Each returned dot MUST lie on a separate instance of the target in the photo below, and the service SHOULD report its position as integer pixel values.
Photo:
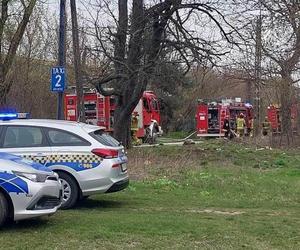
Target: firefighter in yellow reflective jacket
(135, 128)
(240, 125)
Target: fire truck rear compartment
(213, 121)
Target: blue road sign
(58, 79)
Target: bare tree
(8, 47)
(281, 46)
(29, 74)
(149, 32)
(273, 28)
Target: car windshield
(104, 138)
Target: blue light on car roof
(8, 116)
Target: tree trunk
(122, 126)
(121, 36)
(139, 64)
(122, 122)
(132, 88)
(3, 94)
(258, 58)
(77, 63)
(285, 98)
(4, 89)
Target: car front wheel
(70, 190)
(3, 209)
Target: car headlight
(31, 176)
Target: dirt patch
(210, 211)
(196, 211)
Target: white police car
(27, 189)
(87, 160)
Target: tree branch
(16, 39)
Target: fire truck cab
(100, 110)
(210, 116)
(148, 111)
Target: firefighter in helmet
(240, 125)
(226, 126)
(135, 128)
(266, 126)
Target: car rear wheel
(83, 198)
(3, 209)
(70, 190)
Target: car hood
(9, 162)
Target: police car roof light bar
(8, 116)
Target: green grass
(207, 196)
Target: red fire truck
(210, 116)
(148, 111)
(99, 110)
(274, 117)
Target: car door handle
(39, 156)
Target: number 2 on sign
(58, 78)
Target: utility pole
(77, 62)
(249, 89)
(257, 98)
(61, 52)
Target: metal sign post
(61, 53)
